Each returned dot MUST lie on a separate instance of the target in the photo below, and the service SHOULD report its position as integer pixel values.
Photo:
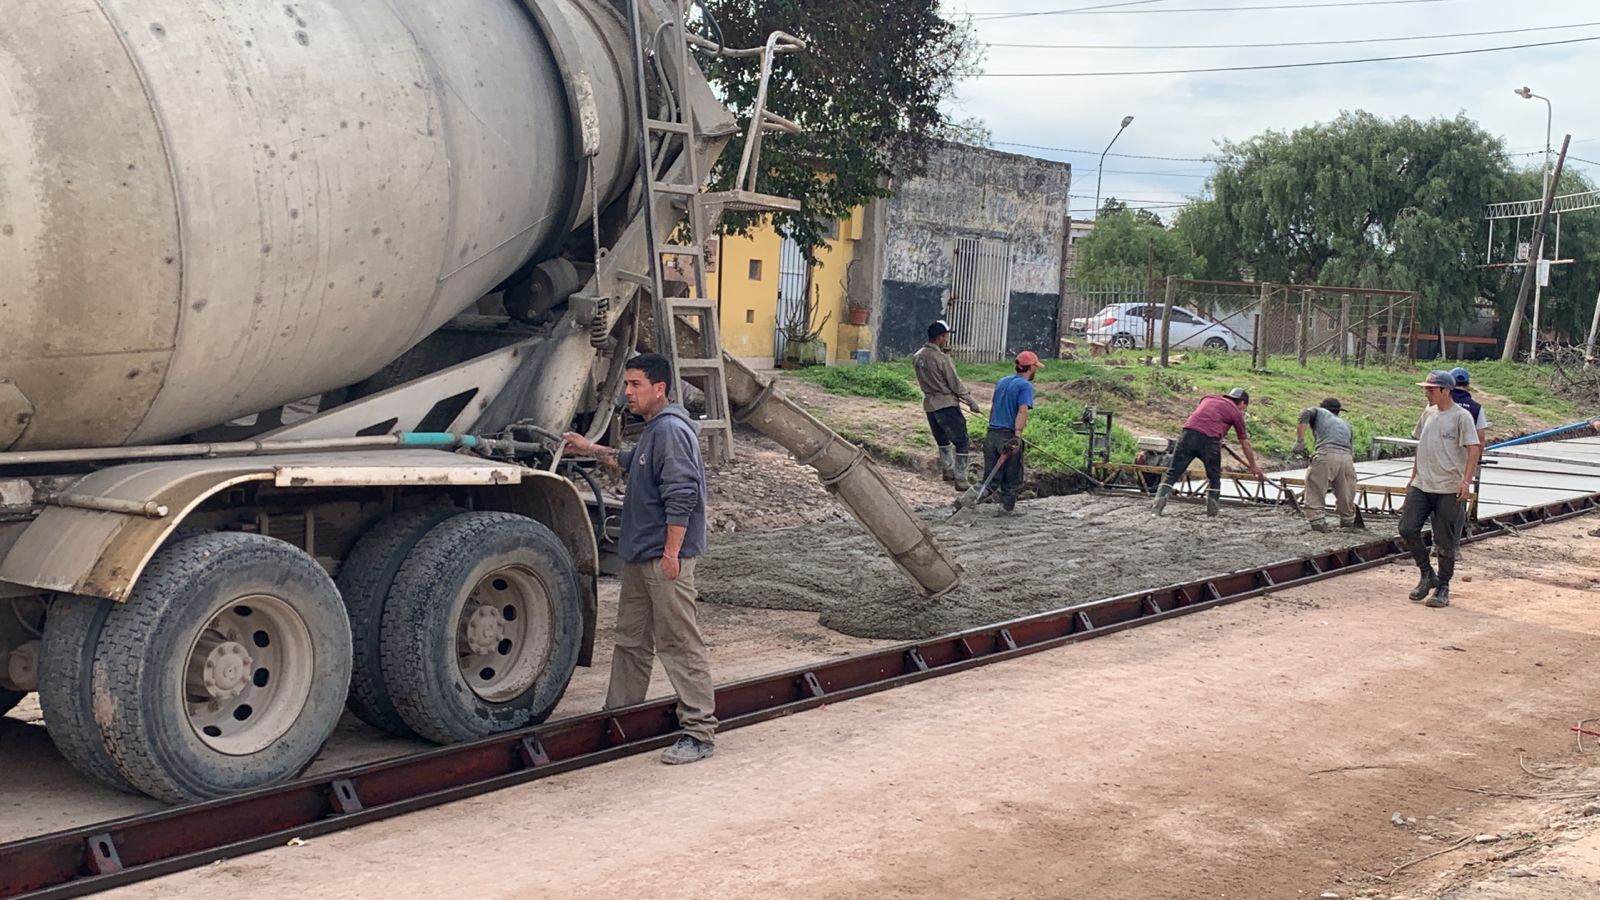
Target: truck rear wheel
(71, 633)
(226, 669)
(364, 582)
(482, 627)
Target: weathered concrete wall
(972, 192)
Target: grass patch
(1054, 445)
(880, 381)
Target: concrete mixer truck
(293, 299)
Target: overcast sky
(1185, 115)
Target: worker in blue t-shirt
(1008, 415)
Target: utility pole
(1535, 251)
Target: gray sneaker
(1427, 583)
(687, 750)
(1440, 598)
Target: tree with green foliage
(868, 92)
(1113, 206)
(1118, 250)
(1359, 201)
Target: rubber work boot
(1162, 494)
(1213, 504)
(1428, 582)
(1351, 525)
(1320, 526)
(947, 462)
(963, 471)
(1440, 598)
(687, 750)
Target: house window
(749, 317)
(829, 228)
(755, 270)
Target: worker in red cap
(1008, 415)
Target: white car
(1126, 326)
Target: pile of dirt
(765, 488)
(1066, 550)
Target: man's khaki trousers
(656, 615)
(1335, 470)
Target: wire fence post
(1303, 333)
(1166, 319)
(1344, 329)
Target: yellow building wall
(749, 304)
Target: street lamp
(1100, 172)
(1549, 113)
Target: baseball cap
(1238, 395)
(938, 327)
(1438, 378)
(1029, 358)
(1460, 375)
(1332, 404)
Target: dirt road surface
(1255, 751)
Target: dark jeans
(1442, 509)
(949, 426)
(1010, 477)
(1191, 446)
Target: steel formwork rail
(124, 851)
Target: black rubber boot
(1441, 596)
(1213, 503)
(1428, 582)
(1162, 494)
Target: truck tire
(226, 669)
(364, 581)
(482, 627)
(71, 633)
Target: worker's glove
(1011, 446)
(1299, 448)
(974, 407)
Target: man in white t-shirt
(1441, 480)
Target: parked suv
(1124, 326)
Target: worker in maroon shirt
(1202, 438)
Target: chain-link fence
(1357, 326)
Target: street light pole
(1100, 172)
(1538, 287)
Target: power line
(1299, 65)
(1385, 40)
(1107, 10)
(1137, 172)
(1097, 152)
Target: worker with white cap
(1202, 439)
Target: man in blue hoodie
(663, 534)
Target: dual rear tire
(230, 664)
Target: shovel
(967, 503)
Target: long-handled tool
(967, 503)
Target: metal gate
(980, 299)
(792, 271)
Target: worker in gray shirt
(663, 535)
(1333, 466)
(1441, 480)
(942, 394)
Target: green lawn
(1378, 400)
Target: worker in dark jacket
(663, 533)
(1202, 439)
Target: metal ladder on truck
(677, 132)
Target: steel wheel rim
(504, 630)
(248, 674)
